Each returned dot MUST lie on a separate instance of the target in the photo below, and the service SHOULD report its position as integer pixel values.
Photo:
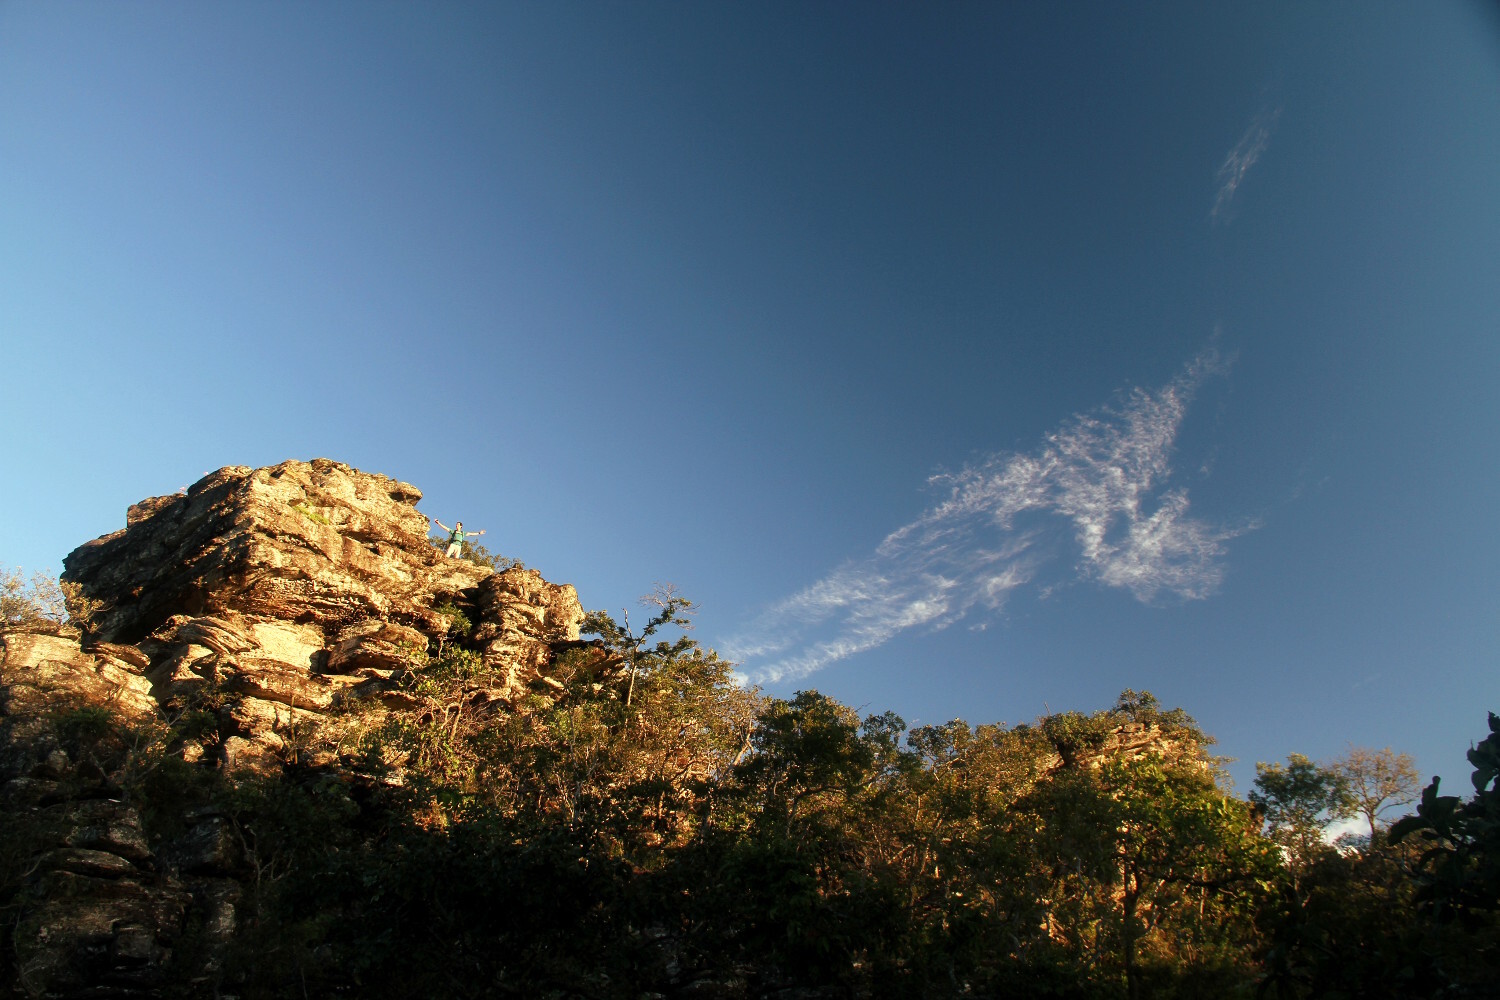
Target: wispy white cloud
(1101, 477)
(1240, 159)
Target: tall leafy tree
(1154, 865)
(1298, 800)
(618, 636)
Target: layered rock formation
(293, 586)
(311, 543)
(266, 600)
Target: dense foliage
(647, 826)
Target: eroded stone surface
(375, 646)
(259, 604)
(101, 826)
(301, 542)
(49, 670)
(103, 935)
(522, 619)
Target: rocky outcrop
(292, 587)
(103, 910)
(260, 603)
(522, 619)
(44, 672)
(306, 542)
(1124, 743)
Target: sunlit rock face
(308, 542)
(521, 620)
(287, 590)
(275, 603)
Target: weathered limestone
(1131, 741)
(102, 928)
(289, 588)
(104, 910)
(101, 826)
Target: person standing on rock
(456, 536)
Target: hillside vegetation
(522, 809)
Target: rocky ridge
(269, 601)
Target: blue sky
(963, 360)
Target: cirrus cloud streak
(1239, 161)
(1096, 488)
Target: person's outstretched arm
(440, 524)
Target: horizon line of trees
(646, 826)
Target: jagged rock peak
(316, 543)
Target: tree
(42, 603)
(808, 756)
(672, 609)
(27, 604)
(1154, 866)
(1378, 780)
(1298, 800)
(811, 833)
